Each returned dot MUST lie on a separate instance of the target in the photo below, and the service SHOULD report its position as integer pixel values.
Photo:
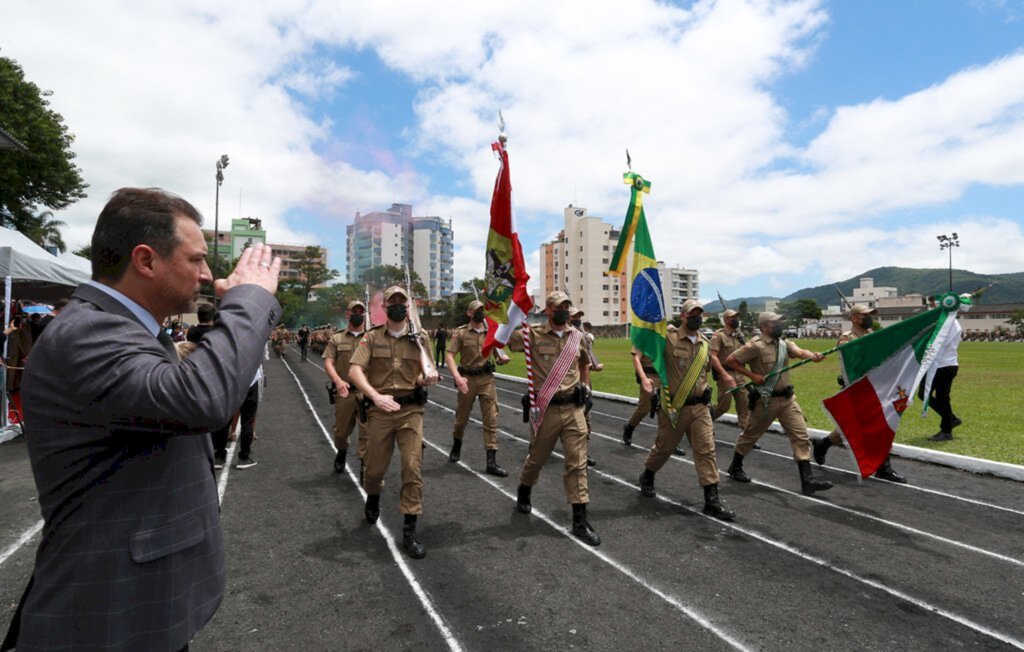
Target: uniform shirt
(760, 353)
(546, 347)
(392, 364)
(647, 363)
(468, 344)
(722, 343)
(679, 353)
(340, 348)
(851, 335)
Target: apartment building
(679, 285)
(247, 231)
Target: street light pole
(222, 163)
(948, 242)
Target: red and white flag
(507, 302)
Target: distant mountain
(1008, 288)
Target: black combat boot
(679, 451)
(339, 461)
(456, 450)
(627, 434)
(581, 528)
(808, 485)
(523, 499)
(886, 472)
(372, 510)
(492, 465)
(415, 549)
(713, 504)
(735, 469)
(821, 447)
(591, 461)
(647, 483)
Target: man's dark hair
(135, 216)
(207, 313)
(60, 303)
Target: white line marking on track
(961, 620)
(912, 487)
(399, 558)
(222, 484)
(25, 537)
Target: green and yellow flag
(646, 300)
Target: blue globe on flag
(645, 297)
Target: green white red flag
(507, 303)
(882, 370)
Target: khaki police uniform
(722, 345)
(466, 344)
(694, 420)
(564, 422)
(340, 348)
(643, 407)
(392, 366)
(760, 354)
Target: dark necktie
(168, 343)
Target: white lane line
(399, 558)
(622, 568)
(28, 534)
(222, 485)
(849, 510)
(962, 620)
(25, 537)
(908, 486)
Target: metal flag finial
(501, 127)
(629, 161)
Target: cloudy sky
(789, 143)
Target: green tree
(41, 229)
(797, 311)
(312, 270)
(45, 175)
(748, 320)
(1017, 321)
(714, 322)
(84, 252)
(384, 276)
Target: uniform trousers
(480, 387)
(346, 418)
(563, 423)
(383, 431)
(643, 407)
(725, 399)
(695, 422)
(790, 417)
(248, 419)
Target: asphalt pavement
(935, 564)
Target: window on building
(604, 300)
(604, 248)
(604, 314)
(604, 287)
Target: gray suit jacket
(132, 554)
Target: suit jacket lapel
(107, 303)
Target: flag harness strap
(689, 380)
(554, 379)
(765, 390)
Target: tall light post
(222, 163)
(948, 242)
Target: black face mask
(577, 323)
(865, 323)
(478, 317)
(560, 317)
(397, 312)
(694, 323)
(356, 320)
(776, 331)
(733, 323)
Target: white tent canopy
(34, 273)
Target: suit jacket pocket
(166, 540)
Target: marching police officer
(474, 378)
(861, 320)
(772, 397)
(561, 371)
(688, 360)
(388, 368)
(336, 356)
(727, 339)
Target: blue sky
(789, 143)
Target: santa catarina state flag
(882, 370)
(507, 302)
(646, 300)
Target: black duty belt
(703, 399)
(785, 392)
(575, 396)
(488, 368)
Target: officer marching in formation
(772, 397)
(576, 319)
(561, 372)
(688, 361)
(336, 356)
(724, 342)
(474, 378)
(861, 318)
(388, 368)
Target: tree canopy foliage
(45, 175)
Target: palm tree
(41, 229)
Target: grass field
(986, 395)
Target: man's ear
(143, 258)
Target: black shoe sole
(589, 537)
(714, 512)
(524, 509)
(497, 472)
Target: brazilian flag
(646, 299)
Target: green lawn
(985, 395)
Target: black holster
(332, 391)
(526, 407)
(839, 379)
(655, 402)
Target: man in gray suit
(132, 554)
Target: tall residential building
(868, 294)
(246, 232)
(394, 237)
(576, 261)
(679, 285)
